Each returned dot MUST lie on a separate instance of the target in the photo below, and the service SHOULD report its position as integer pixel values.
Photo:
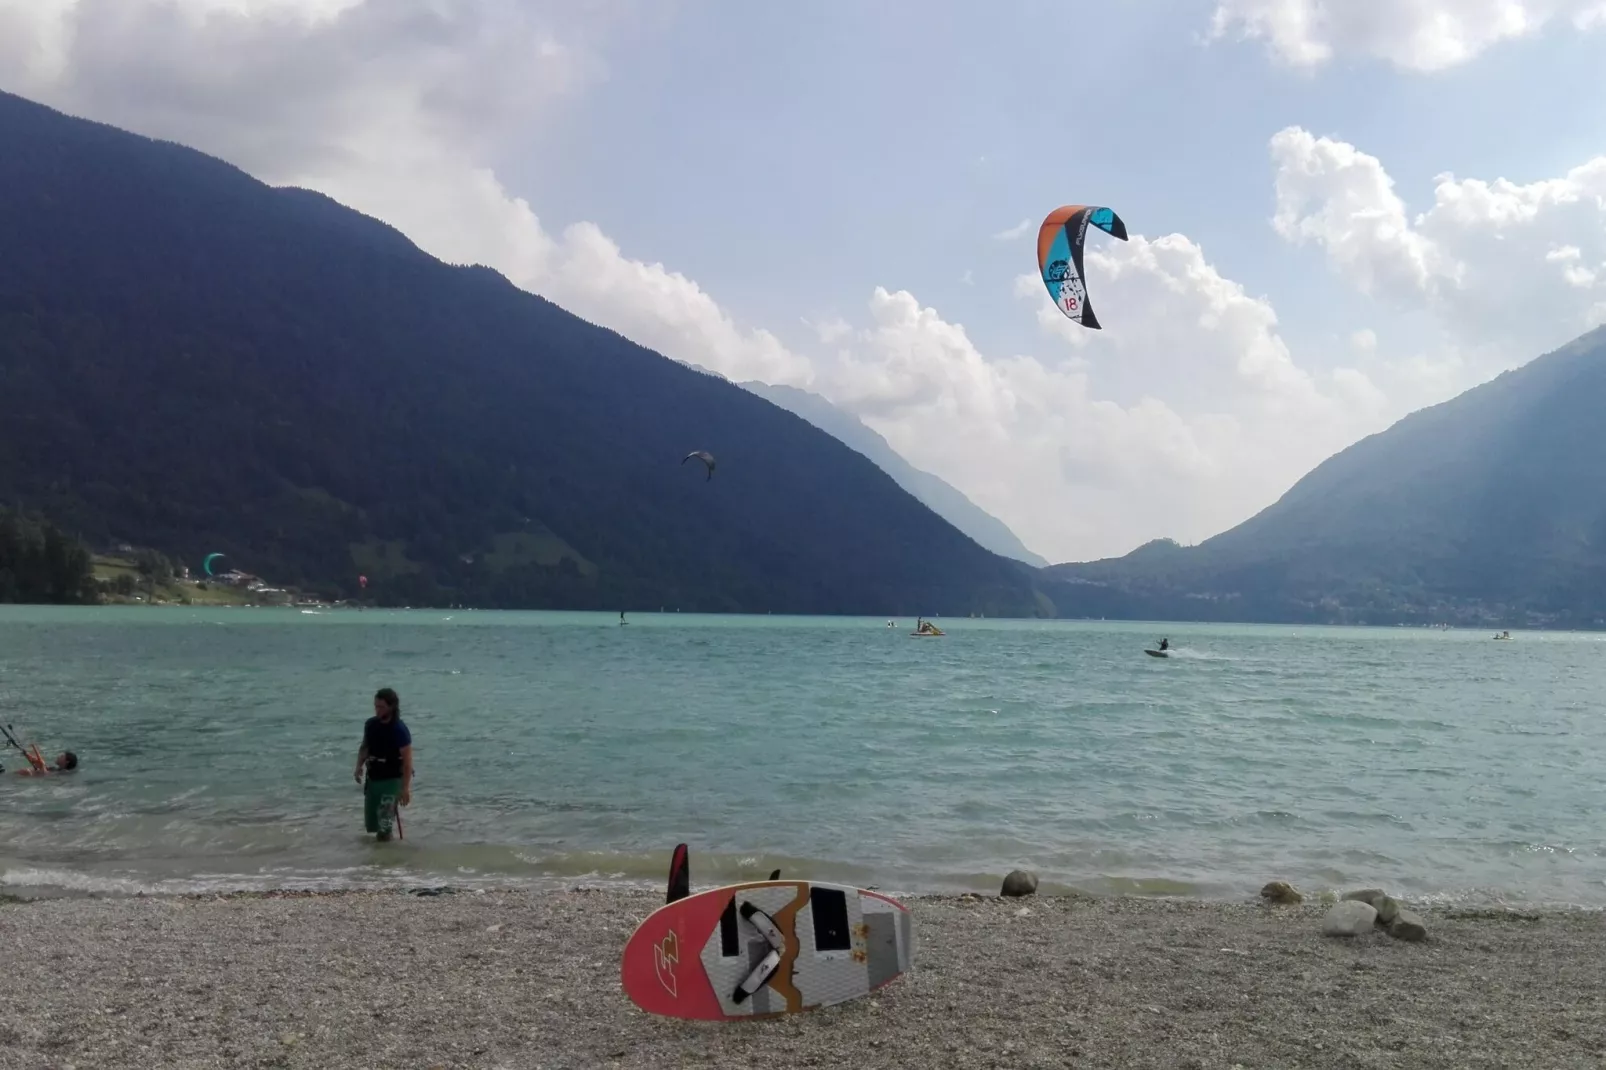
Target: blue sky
(883, 144)
(812, 194)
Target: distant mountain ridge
(195, 361)
(940, 496)
(1487, 508)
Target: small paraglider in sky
(704, 456)
(207, 564)
(1059, 256)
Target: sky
(1340, 211)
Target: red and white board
(764, 949)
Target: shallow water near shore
(218, 745)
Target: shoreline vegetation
(521, 978)
(41, 564)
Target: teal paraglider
(207, 564)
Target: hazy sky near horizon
(1339, 212)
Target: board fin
(776, 875)
(679, 874)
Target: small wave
(1367, 817)
(1148, 887)
(65, 880)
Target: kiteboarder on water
(386, 755)
(1165, 644)
(65, 762)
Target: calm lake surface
(217, 748)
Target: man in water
(386, 755)
(65, 762)
(1165, 644)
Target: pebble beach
(523, 979)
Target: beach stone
(1349, 918)
(1281, 893)
(1388, 908)
(1019, 883)
(1369, 896)
(1407, 926)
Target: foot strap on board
(766, 967)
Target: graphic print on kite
(1059, 256)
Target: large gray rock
(1020, 883)
(1407, 926)
(1369, 896)
(1281, 893)
(1349, 918)
(1388, 908)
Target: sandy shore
(517, 979)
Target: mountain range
(196, 361)
(944, 499)
(1486, 508)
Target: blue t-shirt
(385, 741)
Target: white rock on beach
(1349, 918)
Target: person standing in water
(386, 755)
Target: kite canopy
(1059, 256)
(207, 564)
(704, 456)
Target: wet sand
(522, 979)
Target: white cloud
(1083, 457)
(278, 86)
(831, 330)
(1503, 265)
(1418, 35)
(1017, 231)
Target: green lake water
(217, 748)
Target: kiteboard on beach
(763, 949)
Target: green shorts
(379, 799)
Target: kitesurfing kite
(704, 456)
(207, 564)
(1059, 256)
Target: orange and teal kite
(1059, 256)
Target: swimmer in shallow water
(65, 762)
